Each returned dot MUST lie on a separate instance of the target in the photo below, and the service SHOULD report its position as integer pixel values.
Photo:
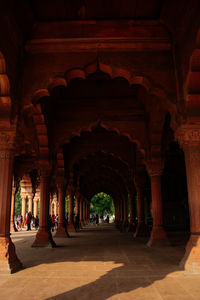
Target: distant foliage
(18, 202)
(66, 204)
(102, 204)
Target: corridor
(98, 263)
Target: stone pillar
(23, 210)
(43, 237)
(9, 261)
(35, 207)
(158, 234)
(189, 138)
(61, 230)
(70, 226)
(12, 221)
(121, 211)
(30, 203)
(57, 207)
(77, 203)
(141, 229)
(81, 211)
(131, 208)
(88, 209)
(84, 212)
(125, 205)
(121, 208)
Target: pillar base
(141, 230)
(158, 237)
(9, 262)
(44, 238)
(70, 227)
(61, 231)
(191, 259)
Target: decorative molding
(188, 135)
(58, 45)
(6, 154)
(7, 139)
(155, 167)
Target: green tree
(18, 202)
(66, 204)
(102, 204)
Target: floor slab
(98, 261)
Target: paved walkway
(98, 263)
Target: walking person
(97, 219)
(28, 221)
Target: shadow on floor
(140, 266)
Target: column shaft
(12, 221)
(141, 229)
(158, 235)
(9, 262)
(35, 210)
(191, 260)
(61, 230)
(23, 211)
(30, 204)
(44, 237)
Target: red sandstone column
(81, 210)
(189, 138)
(35, 207)
(12, 223)
(131, 225)
(158, 234)
(87, 212)
(30, 203)
(9, 262)
(70, 226)
(84, 212)
(43, 237)
(141, 229)
(77, 203)
(61, 231)
(121, 212)
(24, 210)
(125, 219)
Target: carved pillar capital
(7, 139)
(35, 200)
(188, 135)
(155, 167)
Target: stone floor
(98, 263)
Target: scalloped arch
(5, 100)
(113, 72)
(193, 79)
(91, 126)
(40, 127)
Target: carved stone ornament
(155, 167)
(6, 154)
(188, 135)
(7, 140)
